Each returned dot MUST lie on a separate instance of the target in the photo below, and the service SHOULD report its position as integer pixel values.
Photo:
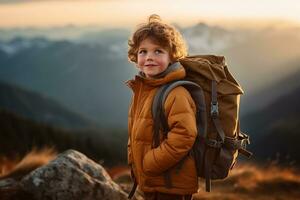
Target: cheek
(140, 64)
(164, 62)
(140, 60)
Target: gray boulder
(71, 176)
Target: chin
(151, 74)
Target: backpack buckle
(214, 109)
(245, 142)
(214, 143)
(245, 138)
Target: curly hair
(161, 33)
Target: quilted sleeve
(181, 112)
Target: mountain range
(40, 108)
(86, 73)
(20, 135)
(274, 128)
(264, 58)
(86, 78)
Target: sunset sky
(126, 13)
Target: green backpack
(217, 97)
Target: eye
(142, 51)
(158, 51)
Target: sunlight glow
(129, 12)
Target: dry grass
(246, 181)
(17, 168)
(254, 182)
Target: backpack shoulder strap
(160, 121)
(158, 112)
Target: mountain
(87, 78)
(275, 128)
(19, 135)
(282, 142)
(206, 39)
(269, 93)
(19, 44)
(40, 108)
(264, 58)
(105, 37)
(87, 72)
(69, 31)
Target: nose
(149, 56)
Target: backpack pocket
(224, 162)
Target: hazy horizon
(126, 14)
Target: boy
(155, 48)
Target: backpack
(217, 97)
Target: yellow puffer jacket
(149, 164)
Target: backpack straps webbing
(160, 120)
(133, 189)
(238, 144)
(157, 112)
(215, 110)
(207, 169)
(134, 186)
(213, 143)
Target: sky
(127, 13)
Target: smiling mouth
(150, 65)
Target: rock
(70, 176)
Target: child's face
(152, 58)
